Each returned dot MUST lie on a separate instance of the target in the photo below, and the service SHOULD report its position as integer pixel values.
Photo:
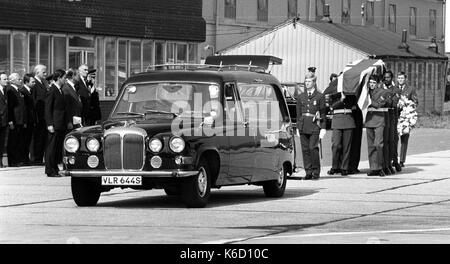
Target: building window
(320, 6)
(160, 52)
(230, 9)
(100, 65)
(193, 50)
(345, 17)
(392, 19)
(413, 21)
(135, 57)
(59, 52)
(370, 13)
(19, 53)
(292, 8)
(110, 67)
(432, 23)
(44, 51)
(5, 60)
(122, 66)
(147, 54)
(181, 53)
(32, 51)
(263, 10)
(171, 52)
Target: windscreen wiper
(131, 113)
(161, 112)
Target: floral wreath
(408, 115)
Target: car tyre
(276, 188)
(172, 190)
(85, 192)
(195, 190)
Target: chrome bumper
(149, 174)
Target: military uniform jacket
(381, 98)
(307, 107)
(343, 120)
(409, 92)
(3, 108)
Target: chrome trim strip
(155, 174)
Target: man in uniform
(389, 128)
(342, 125)
(393, 121)
(311, 126)
(410, 93)
(375, 126)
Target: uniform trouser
(404, 147)
(375, 144)
(53, 153)
(310, 151)
(27, 136)
(393, 146)
(3, 130)
(39, 141)
(15, 143)
(386, 140)
(355, 152)
(341, 145)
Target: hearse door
(241, 140)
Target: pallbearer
(375, 126)
(342, 125)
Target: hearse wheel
(172, 190)
(195, 190)
(85, 192)
(276, 188)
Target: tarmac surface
(409, 207)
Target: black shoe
(333, 171)
(381, 173)
(308, 177)
(392, 170)
(402, 164)
(397, 167)
(386, 171)
(54, 175)
(374, 173)
(344, 172)
(353, 171)
(315, 177)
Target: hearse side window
(260, 102)
(231, 104)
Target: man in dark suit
(73, 102)
(83, 90)
(55, 116)
(28, 84)
(410, 93)
(3, 114)
(39, 93)
(17, 118)
(95, 113)
(311, 125)
(375, 126)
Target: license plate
(122, 180)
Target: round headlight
(176, 144)
(71, 144)
(92, 144)
(155, 145)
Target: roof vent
(404, 45)
(434, 46)
(326, 14)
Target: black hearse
(187, 129)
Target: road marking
(331, 234)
